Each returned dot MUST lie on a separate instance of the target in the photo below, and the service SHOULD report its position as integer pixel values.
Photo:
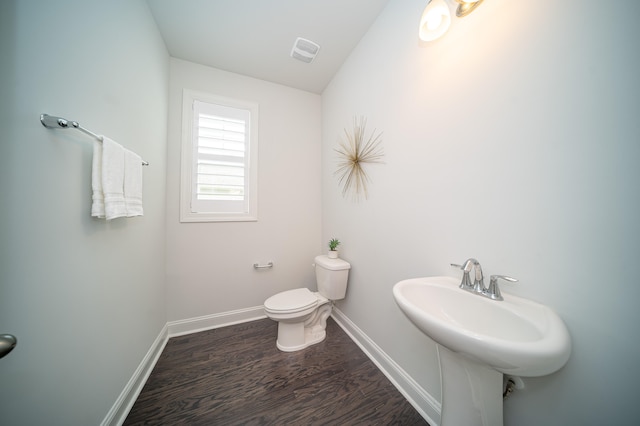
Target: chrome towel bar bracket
(51, 122)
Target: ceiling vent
(304, 50)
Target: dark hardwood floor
(236, 376)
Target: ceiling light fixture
(436, 18)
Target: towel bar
(51, 122)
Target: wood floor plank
(236, 376)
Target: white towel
(113, 179)
(116, 181)
(132, 183)
(97, 206)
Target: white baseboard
(128, 396)
(208, 322)
(422, 401)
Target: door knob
(7, 343)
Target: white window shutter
(223, 178)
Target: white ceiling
(255, 37)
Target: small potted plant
(333, 248)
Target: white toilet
(302, 314)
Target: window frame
(188, 212)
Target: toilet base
(299, 335)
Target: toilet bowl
(302, 314)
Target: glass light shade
(435, 20)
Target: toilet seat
(291, 301)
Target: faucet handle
(467, 266)
(466, 281)
(493, 292)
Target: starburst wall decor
(353, 154)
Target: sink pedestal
(471, 391)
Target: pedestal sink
(479, 340)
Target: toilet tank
(331, 277)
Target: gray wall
(514, 139)
(209, 265)
(84, 297)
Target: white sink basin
(514, 336)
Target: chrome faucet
(465, 284)
(478, 283)
(492, 292)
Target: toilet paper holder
(267, 266)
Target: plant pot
(333, 254)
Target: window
(219, 159)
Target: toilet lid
(291, 300)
